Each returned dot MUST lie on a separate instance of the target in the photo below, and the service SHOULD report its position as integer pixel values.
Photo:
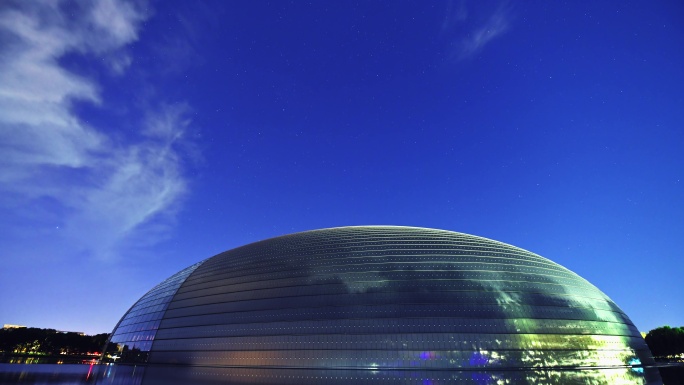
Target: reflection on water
(69, 374)
(176, 375)
(49, 360)
(38, 374)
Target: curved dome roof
(376, 301)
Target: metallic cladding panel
(135, 332)
(392, 300)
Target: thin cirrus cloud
(476, 32)
(101, 185)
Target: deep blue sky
(139, 138)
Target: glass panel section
(132, 338)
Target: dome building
(357, 305)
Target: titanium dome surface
(358, 304)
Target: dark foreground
(39, 374)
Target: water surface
(68, 374)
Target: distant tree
(49, 341)
(23, 340)
(666, 341)
(98, 342)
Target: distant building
(356, 305)
(66, 331)
(10, 326)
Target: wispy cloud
(138, 183)
(107, 186)
(475, 33)
(456, 12)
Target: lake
(78, 374)
(69, 374)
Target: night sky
(139, 138)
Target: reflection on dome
(359, 304)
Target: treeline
(666, 342)
(35, 341)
